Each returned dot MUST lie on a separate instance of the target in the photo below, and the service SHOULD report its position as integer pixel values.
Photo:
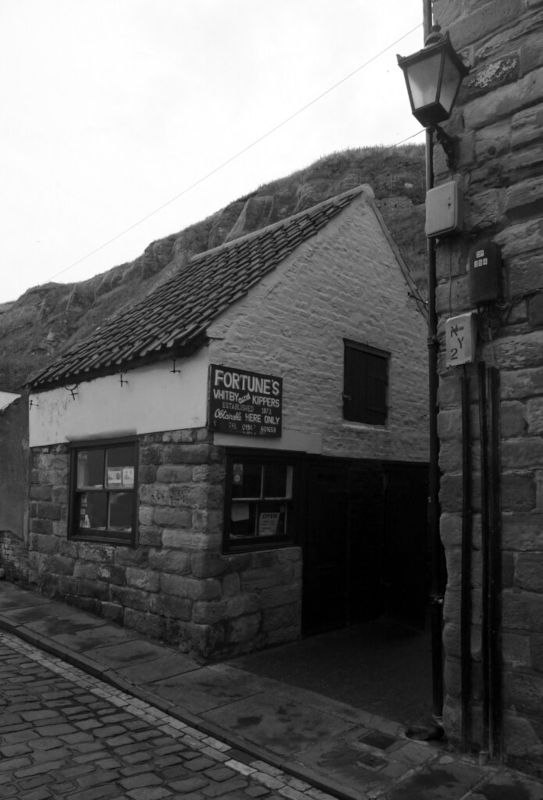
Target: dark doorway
(364, 543)
(326, 596)
(405, 578)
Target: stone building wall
(499, 120)
(175, 585)
(14, 490)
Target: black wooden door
(325, 589)
(405, 566)
(364, 543)
(343, 550)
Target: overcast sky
(110, 109)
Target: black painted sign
(245, 403)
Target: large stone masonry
(175, 585)
(13, 558)
(498, 120)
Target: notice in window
(268, 522)
(114, 477)
(245, 403)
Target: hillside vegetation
(48, 318)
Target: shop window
(259, 505)
(104, 492)
(365, 384)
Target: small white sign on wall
(461, 339)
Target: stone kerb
(175, 585)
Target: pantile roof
(174, 316)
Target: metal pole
(436, 548)
(427, 16)
(495, 569)
(436, 590)
(485, 547)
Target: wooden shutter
(365, 386)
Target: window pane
(120, 511)
(242, 519)
(93, 510)
(120, 467)
(275, 480)
(246, 480)
(90, 468)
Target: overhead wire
(240, 153)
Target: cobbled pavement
(65, 734)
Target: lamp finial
(435, 36)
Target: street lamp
(433, 77)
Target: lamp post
(433, 77)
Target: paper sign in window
(267, 523)
(114, 477)
(128, 477)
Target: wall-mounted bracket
(449, 145)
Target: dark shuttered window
(365, 384)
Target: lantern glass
(450, 84)
(423, 81)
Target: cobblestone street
(64, 734)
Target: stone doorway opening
(366, 636)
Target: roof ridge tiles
(348, 195)
(177, 311)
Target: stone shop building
(235, 458)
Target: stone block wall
(13, 558)
(14, 490)
(498, 120)
(174, 586)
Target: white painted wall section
(7, 398)
(154, 399)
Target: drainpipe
(465, 587)
(495, 570)
(485, 555)
(492, 710)
(436, 589)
